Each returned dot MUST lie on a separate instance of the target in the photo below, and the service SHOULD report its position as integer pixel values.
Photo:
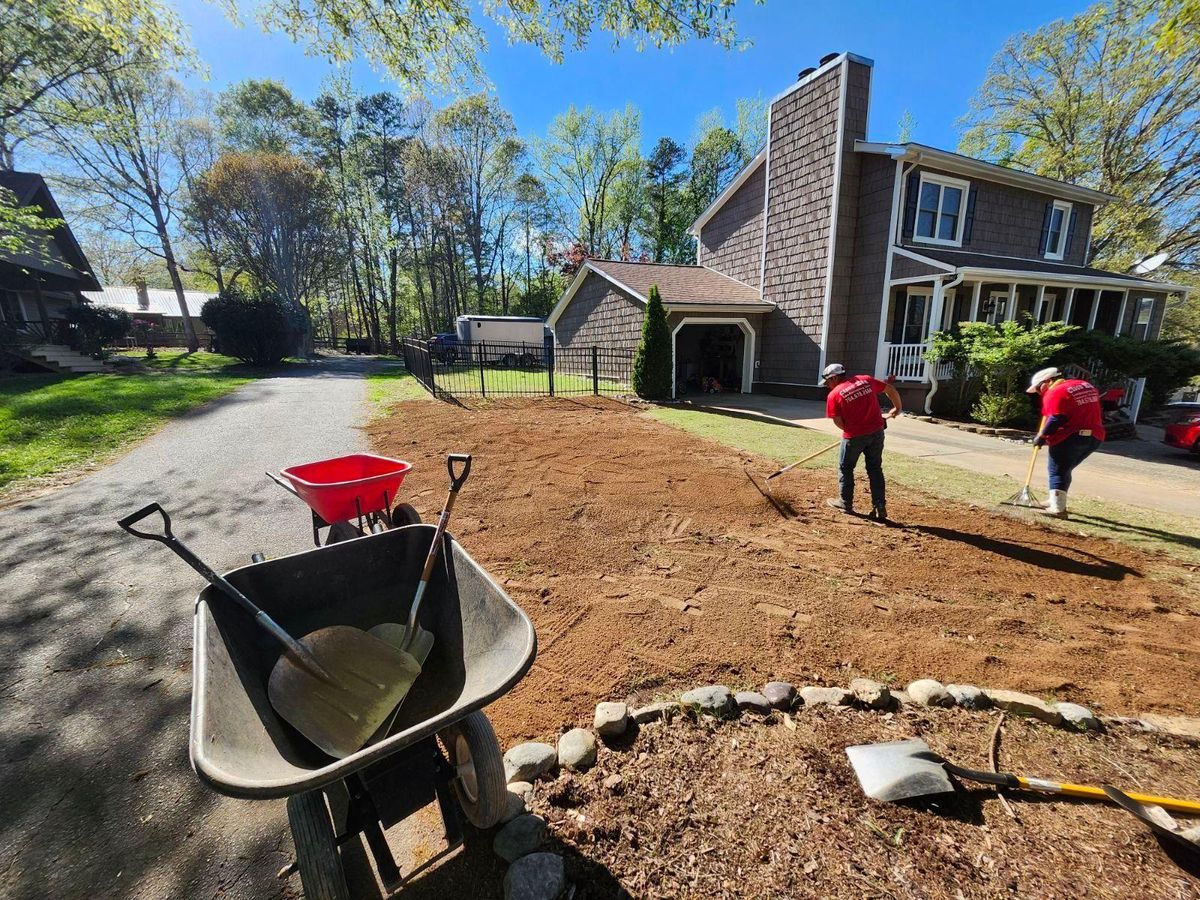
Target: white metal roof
(162, 302)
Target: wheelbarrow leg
(364, 817)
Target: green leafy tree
(1109, 99)
(1001, 357)
(263, 116)
(652, 361)
(663, 226)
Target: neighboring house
(37, 288)
(830, 248)
(158, 306)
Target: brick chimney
(811, 210)
(143, 296)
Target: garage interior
(708, 359)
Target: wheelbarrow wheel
(475, 754)
(317, 855)
(342, 531)
(405, 514)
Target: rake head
(1024, 498)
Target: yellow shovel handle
(1190, 807)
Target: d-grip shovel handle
(457, 480)
(302, 654)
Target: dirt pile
(646, 558)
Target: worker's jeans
(869, 446)
(1066, 455)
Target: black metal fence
(489, 369)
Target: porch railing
(33, 332)
(906, 362)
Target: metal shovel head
(397, 635)
(898, 770)
(370, 677)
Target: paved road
(95, 671)
(1143, 473)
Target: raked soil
(648, 561)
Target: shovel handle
(146, 511)
(456, 482)
(458, 478)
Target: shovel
(900, 770)
(335, 686)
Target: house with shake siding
(828, 247)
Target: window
(909, 319)
(1056, 234)
(11, 310)
(940, 209)
(1141, 319)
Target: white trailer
(502, 330)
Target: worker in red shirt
(1072, 428)
(853, 405)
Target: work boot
(1057, 505)
(837, 503)
(878, 513)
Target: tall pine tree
(652, 362)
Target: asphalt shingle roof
(967, 260)
(679, 284)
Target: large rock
(522, 835)
(514, 805)
(577, 750)
(825, 696)
(611, 719)
(525, 762)
(929, 692)
(523, 789)
(653, 712)
(1024, 705)
(752, 701)
(1078, 717)
(871, 693)
(780, 694)
(538, 876)
(715, 699)
(968, 696)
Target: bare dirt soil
(649, 561)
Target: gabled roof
(31, 190)
(681, 287)
(162, 302)
(985, 264)
(731, 189)
(966, 165)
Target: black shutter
(910, 205)
(970, 222)
(1045, 241)
(1070, 234)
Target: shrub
(1000, 409)
(652, 362)
(98, 327)
(1165, 364)
(259, 328)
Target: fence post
(550, 367)
(482, 377)
(595, 372)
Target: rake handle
(1033, 456)
(800, 462)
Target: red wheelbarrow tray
(331, 486)
(484, 644)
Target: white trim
(1121, 314)
(731, 278)
(833, 213)
(762, 258)
(1089, 281)
(977, 168)
(880, 351)
(817, 73)
(746, 308)
(1037, 304)
(918, 279)
(936, 263)
(1066, 315)
(1060, 251)
(747, 346)
(552, 319)
(975, 300)
(1097, 293)
(741, 178)
(1014, 300)
(943, 182)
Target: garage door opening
(711, 358)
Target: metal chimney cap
(804, 73)
(829, 57)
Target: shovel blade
(898, 770)
(371, 678)
(397, 635)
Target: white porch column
(1121, 315)
(1096, 295)
(936, 306)
(1010, 311)
(1037, 304)
(1066, 316)
(885, 320)
(975, 300)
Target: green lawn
(179, 360)
(389, 387)
(1146, 529)
(51, 424)
(500, 382)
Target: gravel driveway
(95, 633)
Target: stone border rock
(535, 874)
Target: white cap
(1041, 376)
(833, 369)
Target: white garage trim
(747, 347)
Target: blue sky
(929, 58)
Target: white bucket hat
(1040, 377)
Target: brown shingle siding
(731, 241)
(600, 315)
(857, 346)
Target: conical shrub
(652, 362)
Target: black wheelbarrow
(441, 746)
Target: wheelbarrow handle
(458, 479)
(146, 511)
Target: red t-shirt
(854, 401)
(1079, 401)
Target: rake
(1024, 497)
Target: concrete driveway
(1143, 473)
(95, 669)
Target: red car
(1183, 426)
